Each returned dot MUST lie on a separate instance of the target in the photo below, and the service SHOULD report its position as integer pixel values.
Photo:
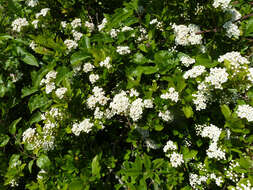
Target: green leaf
(43, 162)
(225, 111)
(249, 28)
(35, 118)
(4, 139)
(28, 91)
(27, 57)
(62, 73)
(95, 166)
(205, 60)
(165, 61)
(30, 165)
(12, 128)
(188, 111)
(38, 101)
(138, 58)
(147, 162)
(79, 56)
(76, 185)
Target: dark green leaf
(12, 128)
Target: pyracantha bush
(126, 95)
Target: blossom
(166, 116)
(35, 23)
(77, 35)
(217, 77)
(60, 92)
(169, 146)
(84, 126)
(232, 29)
(114, 33)
(63, 24)
(102, 25)
(76, 23)
(236, 60)
(106, 63)
(28, 135)
(32, 3)
(215, 152)
(126, 28)
(224, 4)
(200, 100)
(136, 109)
(176, 159)
(43, 12)
(89, 25)
(187, 61)
(120, 103)
(148, 103)
(194, 72)
(245, 111)
(70, 44)
(93, 78)
(172, 95)
(87, 67)
(50, 87)
(123, 50)
(18, 24)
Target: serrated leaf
(27, 57)
(38, 101)
(28, 91)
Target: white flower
(102, 25)
(215, 152)
(93, 78)
(28, 135)
(98, 114)
(33, 45)
(18, 24)
(176, 159)
(169, 146)
(70, 44)
(217, 77)
(98, 97)
(235, 59)
(232, 29)
(120, 103)
(50, 87)
(245, 111)
(77, 35)
(114, 33)
(194, 72)
(136, 109)
(106, 63)
(63, 24)
(123, 50)
(196, 180)
(250, 75)
(87, 67)
(187, 35)
(76, 23)
(187, 61)
(148, 103)
(35, 23)
(32, 3)
(84, 126)
(43, 12)
(89, 25)
(126, 28)
(133, 92)
(172, 95)
(210, 131)
(236, 15)
(166, 116)
(223, 4)
(200, 100)
(60, 92)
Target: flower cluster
(245, 111)
(172, 95)
(18, 24)
(84, 126)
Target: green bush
(126, 94)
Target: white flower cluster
(77, 35)
(32, 3)
(213, 133)
(102, 25)
(231, 174)
(250, 75)
(143, 34)
(235, 59)
(186, 35)
(217, 77)
(196, 180)
(18, 24)
(172, 95)
(90, 26)
(158, 24)
(76, 23)
(235, 14)
(245, 111)
(60, 92)
(218, 180)
(106, 63)
(93, 78)
(54, 113)
(194, 72)
(84, 126)
(232, 29)
(200, 100)
(148, 103)
(50, 85)
(176, 159)
(114, 33)
(169, 146)
(28, 135)
(136, 109)
(120, 103)
(88, 67)
(35, 23)
(71, 44)
(224, 4)
(241, 186)
(123, 50)
(187, 61)
(43, 12)
(98, 97)
(166, 116)
(126, 28)
(133, 93)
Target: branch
(216, 29)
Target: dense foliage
(126, 94)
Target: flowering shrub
(126, 95)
